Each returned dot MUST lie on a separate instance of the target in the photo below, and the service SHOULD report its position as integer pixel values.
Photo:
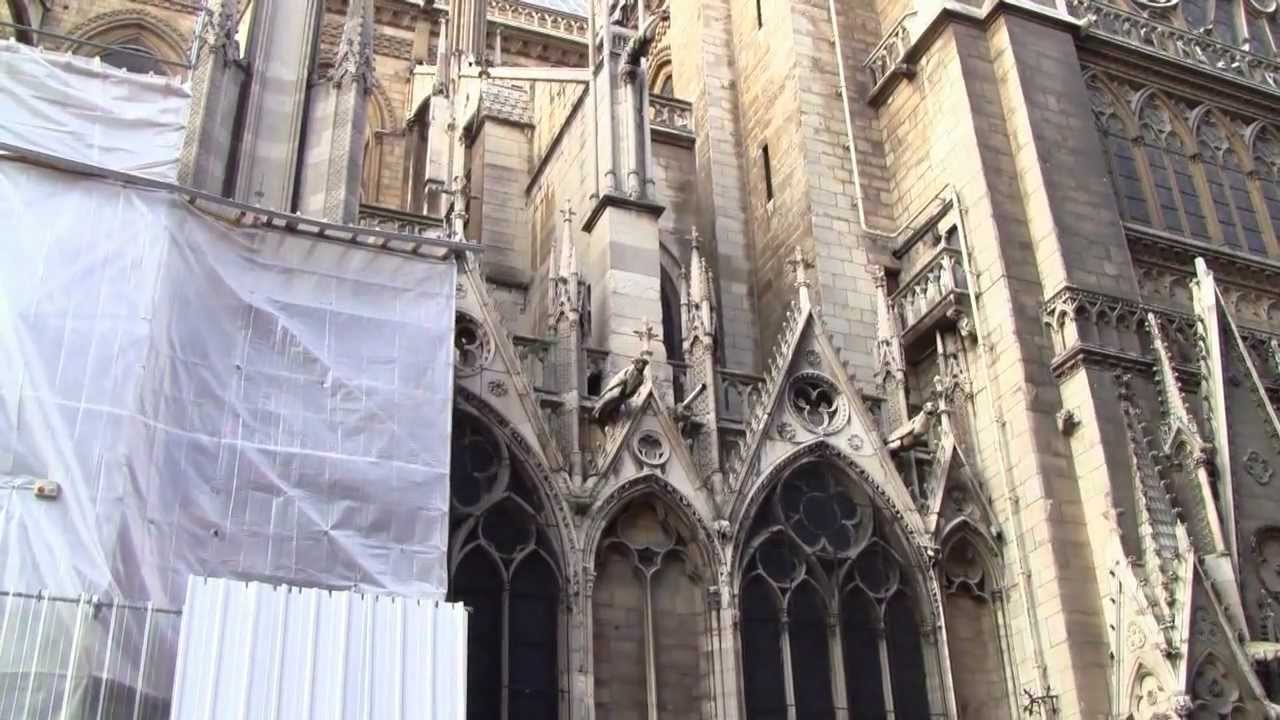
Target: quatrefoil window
(816, 403)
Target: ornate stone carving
(1257, 467)
(1183, 46)
(497, 388)
(1213, 691)
(473, 346)
(816, 403)
(650, 448)
(1266, 553)
(886, 60)
(786, 431)
(670, 114)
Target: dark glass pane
(1196, 13)
(1127, 180)
(534, 686)
(1221, 205)
(861, 644)
(1243, 202)
(1196, 222)
(1226, 14)
(477, 584)
(1271, 194)
(906, 661)
(1166, 195)
(810, 656)
(762, 679)
(132, 59)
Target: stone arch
(661, 78)
(652, 565)
(541, 477)
(380, 126)
(838, 606)
(605, 510)
(747, 503)
(979, 648)
(508, 564)
(140, 28)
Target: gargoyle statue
(621, 388)
(688, 423)
(913, 432)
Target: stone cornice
(1175, 251)
(1095, 21)
(1175, 45)
(1090, 329)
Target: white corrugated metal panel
(251, 650)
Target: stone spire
(337, 122)
(699, 310)
(800, 266)
(216, 79)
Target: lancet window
(1167, 151)
(971, 605)
(828, 615)
(502, 566)
(1216, 183)
(648, 619)
(1228, 187)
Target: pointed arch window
(1118, 132)
(1237, 219)
(502, 567)
(648, 618)
(1167, 154)
(970, 604)
(829, 625)
(1266, 167)
(134, 58)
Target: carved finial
(647, 335)
(354, 61)
(800, 266)
(568, 249)
(221, 28)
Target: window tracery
(827, 619)
(970, 607)
(1247, 24)
(502, 567)
(1167, 155)
(647, 618)
(1228, 187)
(1217, 183)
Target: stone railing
(934, 286)
(535, 359)
(1183, 46)
(539, 18)
(886, 60)
(670, 114)
(1088, 328)
(406, 223)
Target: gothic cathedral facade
(817, 358)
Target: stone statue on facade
(621, 388)
(914, 432)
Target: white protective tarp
(82, 109)
(214, 400)
(251, 650)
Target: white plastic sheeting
(79, 108)
(250, 650)
(214, 400)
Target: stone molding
(1184, 47)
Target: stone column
(280, 65)
(216, 80)
(337, 122)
